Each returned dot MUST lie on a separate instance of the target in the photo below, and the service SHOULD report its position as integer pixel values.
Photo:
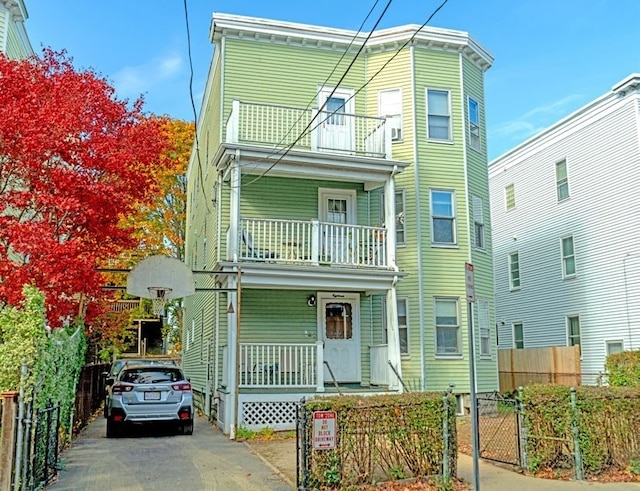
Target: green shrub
(624, 369)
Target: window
(442, 216)
(518, 335)
(483, 327)
(510, 197)
(562, 182)
(478, 222)
(573, 330)
(403, 324)
(438, 115)
(474, 123)
(390, 107)
(514, 271)
(447, 327)
(616, 346)
(568, 257)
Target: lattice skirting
(278, 415)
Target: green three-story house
(335, 194)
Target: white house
(565, 210)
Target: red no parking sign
(324, 430)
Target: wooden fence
(552, 365)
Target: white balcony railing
(270, 365)
(312, 242)
(306, 129)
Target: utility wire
(346, 51)
(306, 129)
(193, 106)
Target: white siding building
(565, 210)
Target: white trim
(513, 334)
(348, 194)
(511, 287)
(401, 113)
(477, 148)
(454, 242)
(460, 345)
(566, 276)
(607, 342)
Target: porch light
(311, 300)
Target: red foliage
(73, 160)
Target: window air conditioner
(396, 134)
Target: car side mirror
(110, 381)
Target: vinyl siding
(602, 153)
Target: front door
(336, 120)
(337, 212)
(339, 323)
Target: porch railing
(271, 365)
(312, 242)
(306, 129)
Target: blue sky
(551, 56)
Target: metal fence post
(577, 454)
(301, 442)
(446, 437)
(524, 461)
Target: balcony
(308, 129)
(312, 243)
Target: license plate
(152, 396)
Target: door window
(338, 321)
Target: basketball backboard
(164, 274)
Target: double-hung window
(447, 326)
(474, 123)
(568, 257)
(390, 107)
(438, 115)
(562, 180)
(478, 222)
(443, 220)
(399, 211)
(518, 335)
(573, 330)
(514, 271)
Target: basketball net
(158, 295)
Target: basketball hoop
(158, 295)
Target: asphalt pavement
(157, 458)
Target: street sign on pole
(473, 385)
(324, 430)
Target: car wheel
(187, 428)
(113, 429)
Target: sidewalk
(280, 455)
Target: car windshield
(150, 375)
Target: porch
(311, 243)
(298, 128)
(273, 377)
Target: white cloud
(132, 81)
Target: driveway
(156, 458)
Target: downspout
(416, 174)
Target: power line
(305, 130)
(346, 51)
(193, 106)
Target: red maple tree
(73, 160)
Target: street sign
(468, 280)
(324, 430)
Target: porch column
(393, 340)
(319, 366)
(232, 356)
(390, 220)
(234, 207)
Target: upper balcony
(297, 128)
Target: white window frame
(609, 342)
(401, 327)
(456, 327)
(566, 258)
(513, 272)
(571, 338)
(484, 328)
(562, 183)
(478, 223)
(401, 231)
(473, 115)
(510, 196)
(392, 111)
(451, 218)
(449, 137)
(517, 341)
